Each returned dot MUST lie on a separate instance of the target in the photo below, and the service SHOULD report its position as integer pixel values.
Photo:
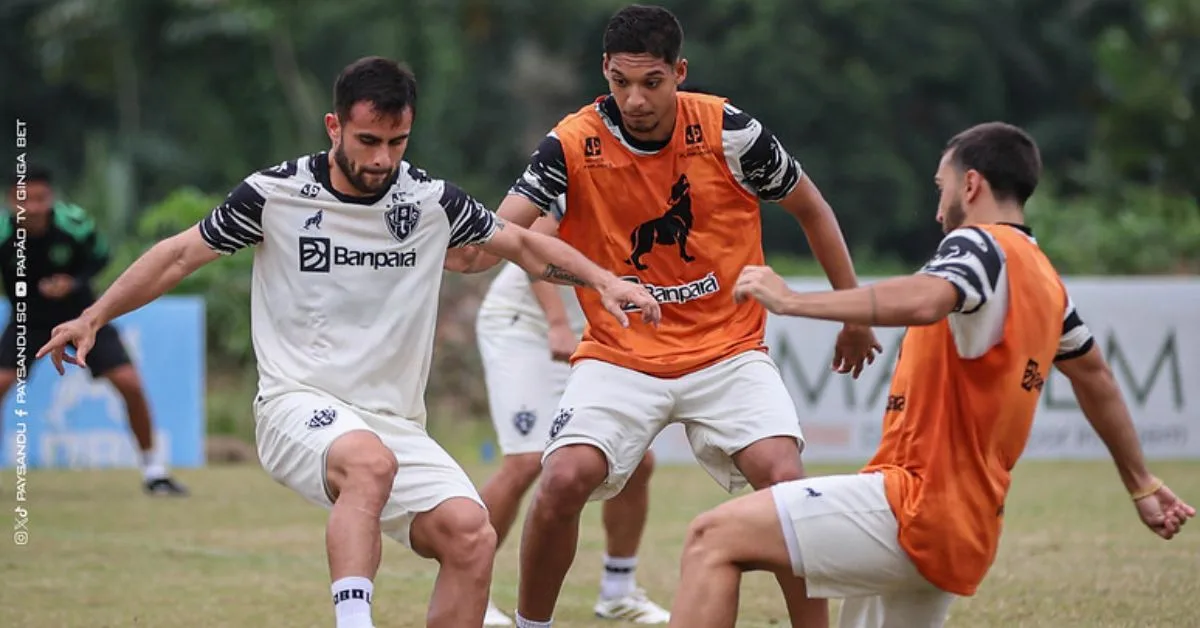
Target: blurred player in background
(664, 188)
(344, 305)
(63, 252)
(987, 317)
(527, 331)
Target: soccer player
(526, 326)
(344, 303)
(664, 188)
(62, 251)
(986, 318)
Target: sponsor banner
(74, 421)
(1148, 328)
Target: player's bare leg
(154, 470)
(551, 533)
(765, 463)
(503, 491)
(740, 535)
(459, 536)
(359, 470)
(624, 522)
(502, 494)
(625, 514)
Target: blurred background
(150, 111)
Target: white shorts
(724, 408)
(294, 431)
(842, 538)
(523, 383)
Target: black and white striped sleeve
(237, 222)
(545, 178)
(470, 221)
(972, 262)
(1076, 338)
(756, 157)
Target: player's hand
(619, 296)
(764, 285)
(562, 342)
(79, 333)
(1163, 512)
(56, 286)
(855, 349)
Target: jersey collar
(319, 166)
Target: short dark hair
(33, 174)
(1006, 156)
(639, 29)
(389, 86)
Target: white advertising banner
(1148, 328)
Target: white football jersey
(345, 289)
(511, 297)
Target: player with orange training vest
(664, 188)
(920, 525)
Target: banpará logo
(319, 255)
(697, 289)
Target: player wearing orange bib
(664, 188)
(987, 318)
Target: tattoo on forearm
(558, 275)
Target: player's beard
(355, 175)
(643, 124)
(954, 216)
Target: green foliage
(224, 284)
(1138, 230)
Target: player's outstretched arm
(1100, 399)
(900, 302)
(555, 261)
(824, 234)
(514, 209)
(151, 276)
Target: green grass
(244, 551)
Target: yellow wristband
(1146, 492)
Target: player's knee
(570, 476)
(784, 471)
(645, 468)
(522, 469)
(703, 543)
(359, 463)
(466, 538)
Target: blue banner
(76, 422)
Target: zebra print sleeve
(545, 179)
(237, 222)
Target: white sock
(618, 580)
(153, 467)
(352, 602)
(525, 623)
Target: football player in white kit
(528, 326)
(350, 245)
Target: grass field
(244, 551)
